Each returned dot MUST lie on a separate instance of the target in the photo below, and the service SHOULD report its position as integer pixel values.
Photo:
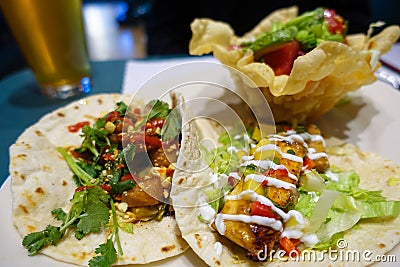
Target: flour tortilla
(377, 236)
(42, 181)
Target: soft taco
(288, 198)
(302, 63)
(79, 195)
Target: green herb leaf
(122, 186)
(34, 242)
(59, 214)
(172, 126)
(108, 255)
(94, 138)
(121, 108)
(159, 109)
(96, 215)
(129, 152)
(84, 178)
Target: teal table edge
(22, 105)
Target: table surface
(22, 105)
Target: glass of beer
(51, 36)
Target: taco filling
(122, 172)
(280, 193)
(286, 41)
(302, 63)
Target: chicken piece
(251, 237)
(163, 156)
(236, 231)
(282, 198)
(147, 192)
(321, 163)
(295, 149)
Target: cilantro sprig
(95, 137)
(159, 109)
(88, 214)
(84, 179)
(107, 252)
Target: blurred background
(118, 29)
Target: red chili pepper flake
(82, 188)
(76, 127)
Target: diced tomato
(257, 208)
(106, 187)
(308, 163)
(113, 116)
(108, 157)
(287, 128)
(170, 172)
(288, 246)
(120, 166)
(129, 176)
(152, 141)
(334, 21)
(281, 60)
(154, 123)
(76, 127)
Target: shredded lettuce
(341, 205)
(225, 159)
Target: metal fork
(388, 77)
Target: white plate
(370, 121)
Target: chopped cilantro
(83, 177)
(108, 255)
(121, 108)
(172, 126)
(159, 109)
(88, 214)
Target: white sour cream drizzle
(266, 165)
(303, 138)
(260, 220)
(218, 248)
(290, 232)
(271, 181)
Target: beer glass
(50, 34)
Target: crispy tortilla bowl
(372, 236)
(318, 79)
(42, 182)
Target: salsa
(124, 153)
(285, 42)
